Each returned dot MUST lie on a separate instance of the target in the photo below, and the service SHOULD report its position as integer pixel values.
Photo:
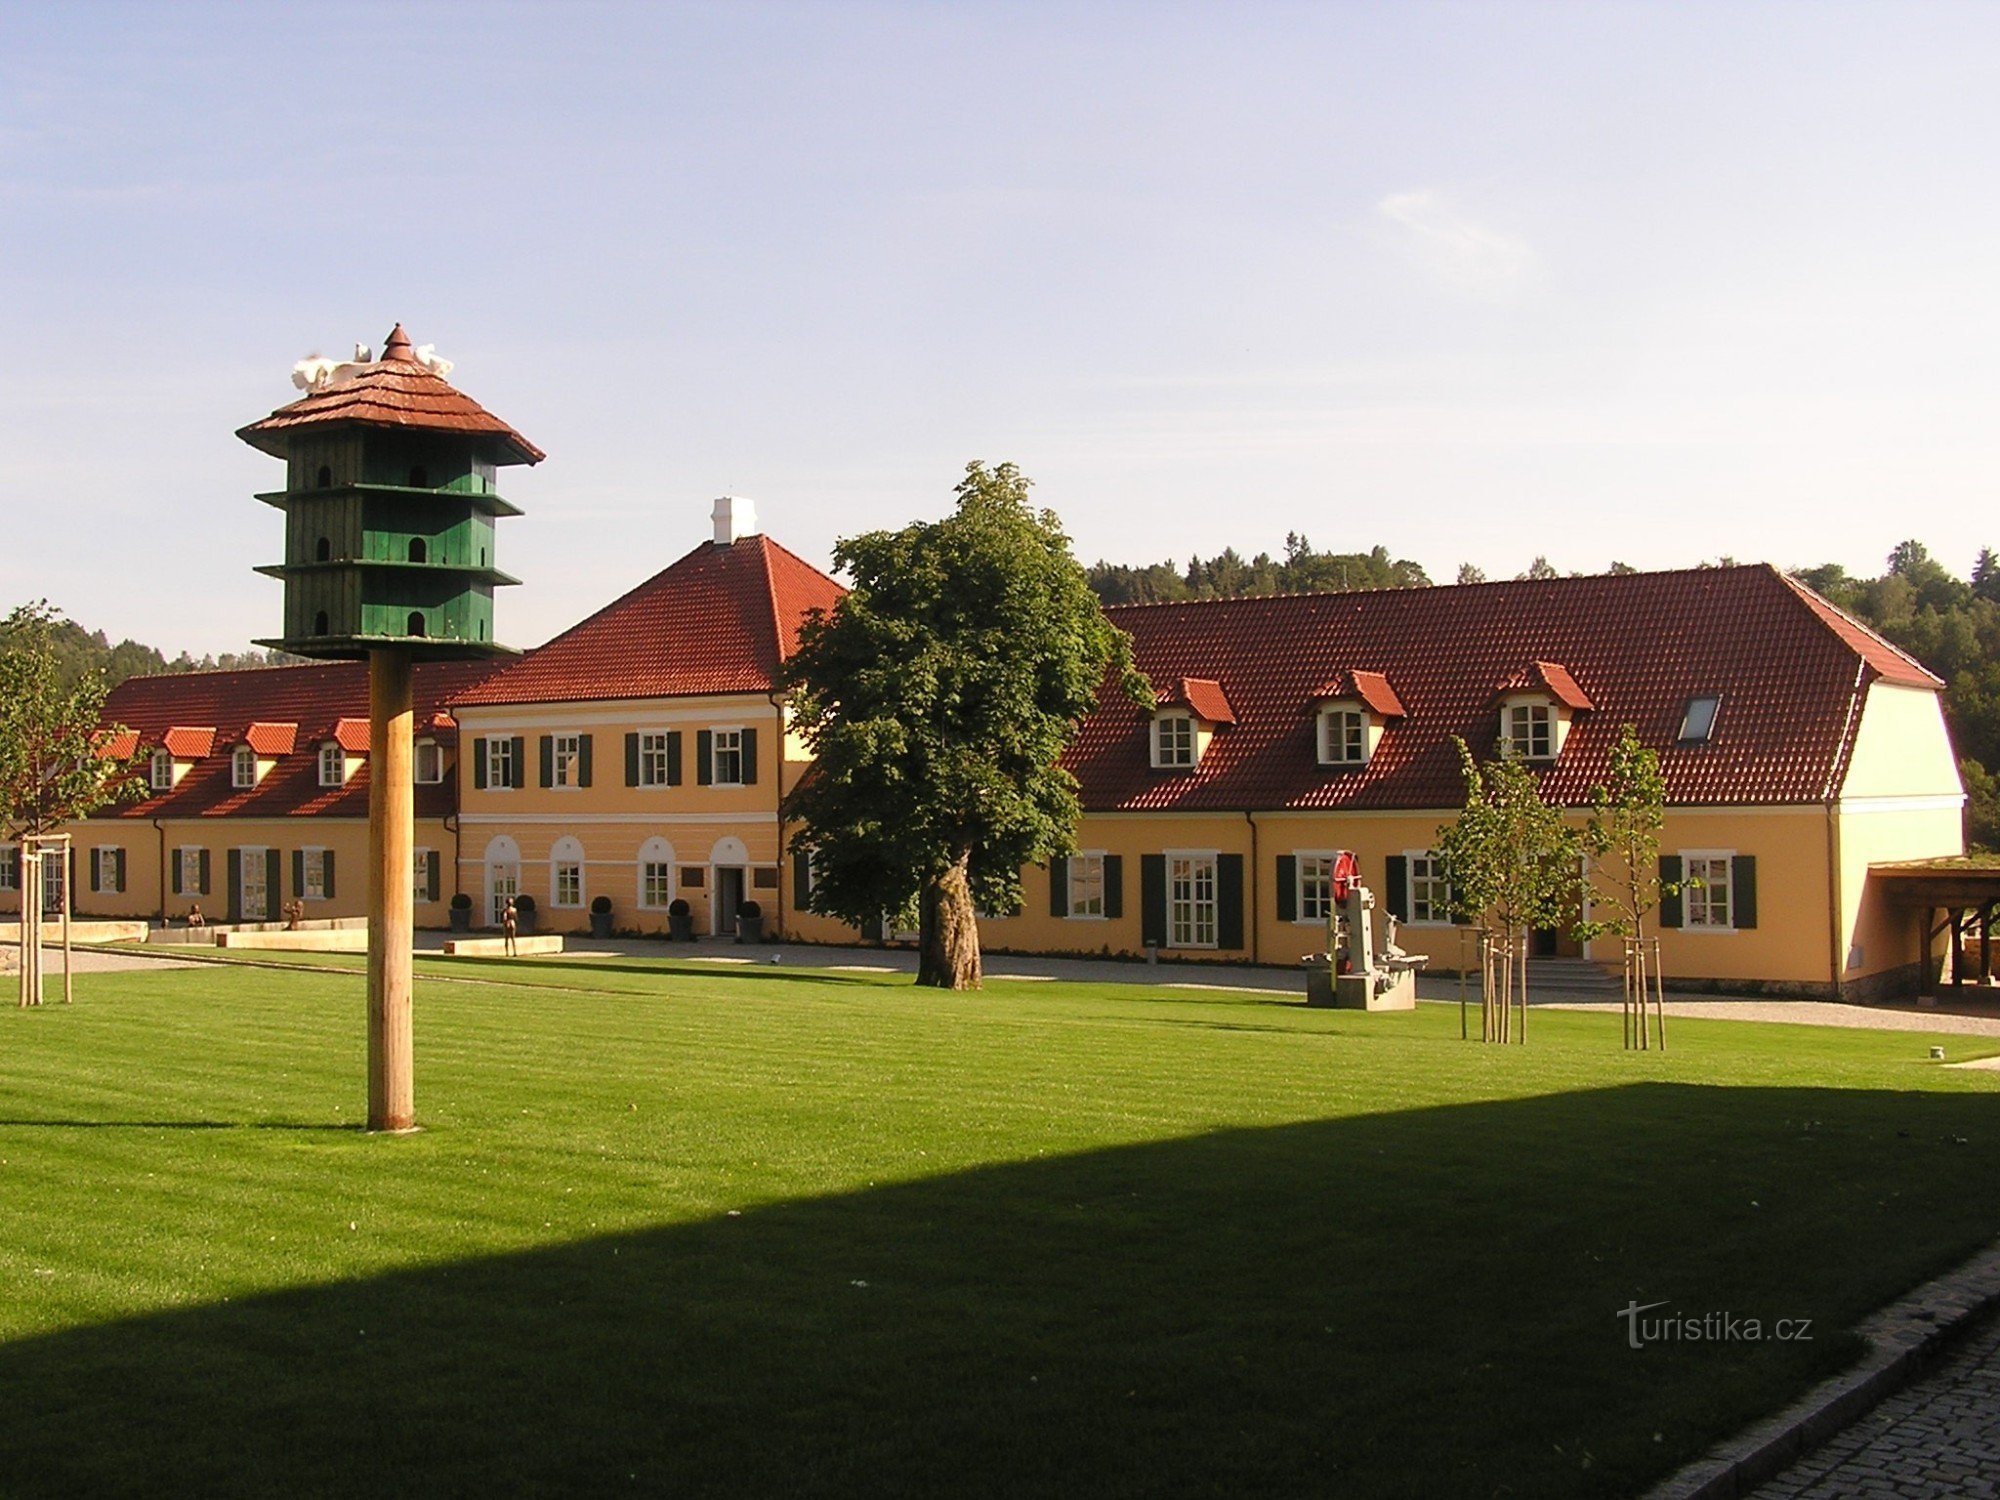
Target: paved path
(1816, 1013)
(1937, 1440)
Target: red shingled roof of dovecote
(308, 703)
(397, 391)
(1788, 667)
(722, 619)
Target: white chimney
(734, 518)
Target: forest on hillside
(1950, 624)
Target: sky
(1648, 283)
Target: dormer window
(1699, 721)
(243, 768)
(162, 771)
(1343, 736)
(332, 764)
(429, 760)
(1529, 730)
(1173, 740)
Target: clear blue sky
(1646, 282)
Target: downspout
(161, 829)
(778, 805)
(1250, 893)
(451, 827)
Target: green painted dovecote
(389, 505)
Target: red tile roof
(720, 620)
(1549, 677)
(232, 706)
(1201, 696)
(395, 391)
(351, 735)
(1788, 666)
(1370, 688)
(272, 739)
(121, 746)
(184, 743)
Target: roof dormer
(1537, 706)
(1351, 711)
(1190, 711)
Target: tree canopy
(937, 698)
(51, 769)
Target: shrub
(600, 906)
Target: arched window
(325, 477)
(656, 874)
(320, 623)
(324, 551)
(420, 550)
(416, 622)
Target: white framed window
(332, 764)
(162, 771)
(253, 888)
(1173, 740)
(312, 874)
(1192, 907)
(1698, 723)
(420, 875)
(1343, 737)
(503, 884)
(428, 758)
(52, 882)
(1315, 887)
(1086, 884)
(189, 860)
(656, 883)
(1430, 892)
(106, 862)
(565, 759)
(1530, 730)
(726, 757)
(499, 763)
(652, 758)
(10, 867)
(568, 883)
(243, 768)
(1708, 891)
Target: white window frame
(503, 884)
(1323, 876)
(565, 760)
(650, 871)
(572, 871)
(427, 762)
(500, 764)
(1086, 872)
(653, 757)
(1351, 748)
(1691, 893)
(1538, 718)
(1424, 869)
(312, 873)
(1176, 742)
(420, 876)
(104, 868)
(188, 856)
(1186, 927)
(243, 768)
(255, 861)
(332, 764)
(160, 774)
(8, 866)
(716, 750)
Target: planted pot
(461, 913)
(600, 923)
(749, 923)
(524, 915)
(680, 926)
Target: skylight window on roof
(1699, 722)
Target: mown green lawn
(756, 1231)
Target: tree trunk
(948, 931)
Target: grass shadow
(1420, 1303)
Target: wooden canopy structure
(1955, 898)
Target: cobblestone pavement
(1937, 1440)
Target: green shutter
(273, 892)
(479, 764)
(201, 860)
(801, 879)
(1288, 888)
(327, 872)
(704, 772)
(1229, 901)
(94, 860)
(430, 874)
(750, 757)
(518, 776)
(1670, 900)
(1153, 899)
(1114, 885)
(1396, 889)
(631, 760)
(118, 869)
(234, 908)
(674, 758)
(299, 873)
(548, 751)
(1058, 887)
(1743, 893)
(583, 759)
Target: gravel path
(1816, 1013)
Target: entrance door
(728, 896)
(253, 892)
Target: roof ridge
(1816, 601)
(1697, 571)
(771, 596)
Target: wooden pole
(391, 812)
(68, 900)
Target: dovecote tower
(389, 502)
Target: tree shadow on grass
(1422, 1303)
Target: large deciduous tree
(936, 699)
(52, 769)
